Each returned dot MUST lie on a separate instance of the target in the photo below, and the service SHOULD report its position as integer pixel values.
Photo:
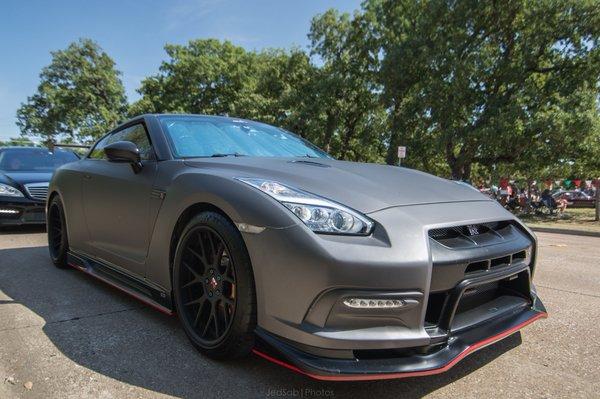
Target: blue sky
(134, 33)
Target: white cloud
(185, 13)
(210, 17)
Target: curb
(572, 232)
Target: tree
(219, 78)
(344, 90)
(479, 81)
(80, 96)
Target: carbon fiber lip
(458, 347)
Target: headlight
(319, 214)
(9, 191)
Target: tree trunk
(460, 171)
(529, 197)
(349, 135)
(597, 199)
(329, 129)
(466, 175)
(391, 157)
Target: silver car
(263, 243)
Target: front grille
(38, 191)
(474, 297)
(489, 264)
(465, 254)
(471, 234)
(467, 230)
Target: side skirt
(137, 288)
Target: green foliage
(219, 78)
(488, 82)
(80, 96)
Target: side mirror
(124, 152)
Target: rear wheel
(214, 287)
(58, 243)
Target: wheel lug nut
(210, 294)
(218, 292)
(219, 278)
(212, 271)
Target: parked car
(261, 242)
(576, 199)
(24, 176)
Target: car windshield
(214, 137)
(34, 159)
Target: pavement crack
(94, 315)
(74, 318)
(569, 291)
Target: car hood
(365, 187)
(24, 177)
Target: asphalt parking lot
(65, 335)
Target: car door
(116, 202)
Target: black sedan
(24, 176)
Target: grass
(572, 219)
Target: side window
(98, 150)
(136, 134)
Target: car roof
(31, 148)
(22, 148)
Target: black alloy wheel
(214, 289)
(56, 227)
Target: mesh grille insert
(468, 230)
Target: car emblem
(473, 230)
(213, 283)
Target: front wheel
(58, 242)
(214, 287)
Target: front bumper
(482, 292)
(21, 211)
(438, 361)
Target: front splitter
(459, 346)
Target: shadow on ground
(105, 331)
(24, 229)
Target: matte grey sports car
(261, 242)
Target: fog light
(9, 211)
(366, 303)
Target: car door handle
(87, 177)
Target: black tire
(56, 227)
(213, 287)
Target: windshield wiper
(232, 154)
